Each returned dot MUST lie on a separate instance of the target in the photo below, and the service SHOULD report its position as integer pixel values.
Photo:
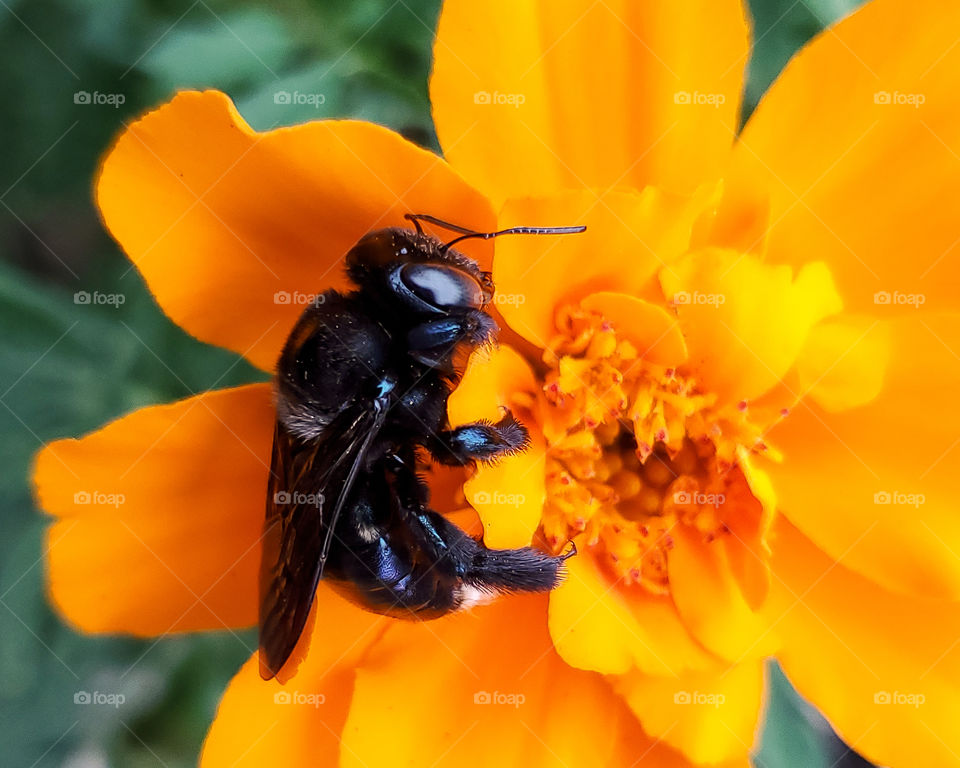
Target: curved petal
(882, 667)
(712, 717)
(600, 625)
(523, 93)
(234, 230)
(629, 236)
(709, 599)
(262, 723)
(655, 334)
(876, 486)
(507, 495)
(844, 362)
(158, 516)
(857, 145)
(745, 322)
(494, 693)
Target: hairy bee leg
(498, 570)
(480, 441)
(515, 570)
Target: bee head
(424, 274)
(418, 272)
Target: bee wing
(305, 479)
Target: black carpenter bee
(361, 390)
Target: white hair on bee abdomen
(299, 419)
(469, 595)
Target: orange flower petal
(857, 145)
(446, 487)
(745, 322)
(507, 495)
(651, 329)
(262, 723)
(233, 229)
(709, 599)
(606, 627)
(877, 485)
(522, 93)
(158, 515)
(844, 361)
(629, 236)
(747, 551)
(882, 667)
(712, 716)
(494, 693)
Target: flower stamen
(635, 450)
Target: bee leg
(480, 441)
(489, 571)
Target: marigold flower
(740, 384)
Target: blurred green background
(65, 368)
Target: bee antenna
(467, 234)
(518, 231)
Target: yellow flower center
(636, 449)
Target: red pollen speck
(635, 574)
(644, 531)
(617, 528)
(708, 539)
(662, 435)
(669, 373)
(590, 422)
(614, 557)
(668, 541)
(579, 523)
(564, 480)
(784, 412)
(742, 406)
(606, 326)
(724, 528)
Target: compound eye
(443, 287)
